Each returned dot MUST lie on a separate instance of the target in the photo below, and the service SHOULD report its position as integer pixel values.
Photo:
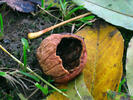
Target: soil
(16, 26)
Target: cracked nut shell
(62, 56)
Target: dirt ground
(16, 26)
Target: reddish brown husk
(52, 63)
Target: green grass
(44, 88)
(120, 85)
(25, 49)
(66, 10)
(1, 27)
(42, 3)
(2, 73)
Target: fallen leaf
(116, 12)
(103, 70)
(129, 67)
(76, 90)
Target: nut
(62, 56)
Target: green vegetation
(1, 27)
(44, 88)
(120, 85)
(25, 49)
(42, 3)
(67, 10)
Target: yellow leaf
(103, 70)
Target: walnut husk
(62, 56)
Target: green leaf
(77, 89)
(29, 75)
(3, 74)
(117, 12)
(43, 89)
(26, 44)
(129, 67)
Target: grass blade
(31, 76)
(86, 18)
(1, 27)
(43, 89)
(25, 42)
(3, 74)
(49, 6)
(72, 11)
(25, 48)
(42, 3)
(21, 96)
(120, 85)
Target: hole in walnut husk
(69, 50)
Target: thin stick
(49, 13)
(30, 70)
(85, 24)
(37, 34)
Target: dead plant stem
(37, 34)
(49, 13)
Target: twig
(32, 94)
(91, 21)
(37, 34)
(30, 70)
(49, 13)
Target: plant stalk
(39, 33)
(30, 70)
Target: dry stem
(37, 34)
